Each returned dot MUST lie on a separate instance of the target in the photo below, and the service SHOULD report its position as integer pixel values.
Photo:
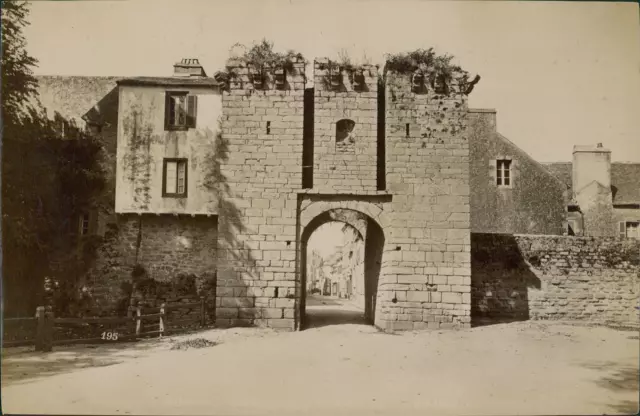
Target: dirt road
(518, 368)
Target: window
(503, 173)
(174, 178)
(344, 132)
(629, 229)
(84, 224)
(180, 110)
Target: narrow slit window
(407, 130)
(175, 178)
(84, 224)
(268, 127)
(503, 173)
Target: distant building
(605, 196)
(511, 192)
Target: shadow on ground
(619, 379)
(324, 311)
(21, 365)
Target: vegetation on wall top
(260, 55)
(435, 68)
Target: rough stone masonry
(419, 258)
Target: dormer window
(180, 110)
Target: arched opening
(344, 133)
(340, 269)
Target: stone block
(272, 313)
(237, 302)
(418, 296)
(452, 297)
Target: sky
(328, 238)
(558, 74)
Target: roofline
(174, 82)
(482, 110)
(81, 76)
(540, 165)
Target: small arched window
(344, 132)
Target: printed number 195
(110, 336)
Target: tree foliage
(51, 173)
(435, 67)
(18, 82)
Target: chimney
(188, 67)
(591, 163)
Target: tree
(51, 172)
(18, 82)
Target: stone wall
(342, 162)
(535, 200)
(166, 247)
(552, 277)
(262, 132)
(425, 278)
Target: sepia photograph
(320, 207)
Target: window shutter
(192, 110)
(167, 111)
(623, 229)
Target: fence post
(44, 336)
(39, 344)
(161, 320)
(138, 321)
(202, 312)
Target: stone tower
(426, 280)
(345, 127)
(261, 170)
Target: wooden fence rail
(45, 324)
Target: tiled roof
(625, 180)
(73, 96)
(170, 81)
